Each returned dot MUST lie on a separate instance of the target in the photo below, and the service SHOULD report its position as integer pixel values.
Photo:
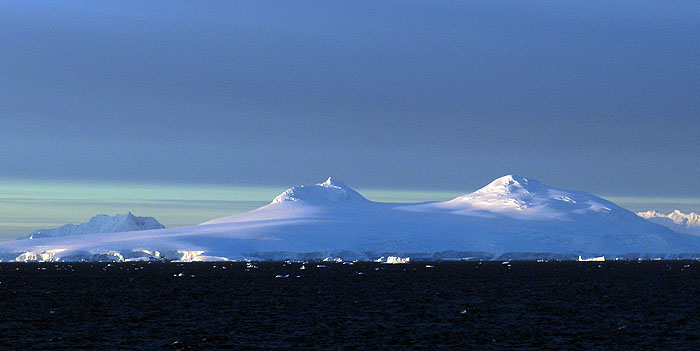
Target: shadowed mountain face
(513, 217)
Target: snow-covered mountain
(100, 224)
(329, 191)
(676, 220)
(512, 217)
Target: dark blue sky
(594, 95)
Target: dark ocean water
(452, 306)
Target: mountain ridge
(99, 224)
(512, 217)
(676, 220)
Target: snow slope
(512, 217)
(100, 224)
(676, 220)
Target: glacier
(513, 217)
(100, 224)
(687, 223)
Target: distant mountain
(676, 220)
(99, 224)
(512, 217)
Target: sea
(464, 305)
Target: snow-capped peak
(676, 220)
(692, 219)
(330, 190)
(333, 183)
(650, 214)
(507, 192)
(527, 197)
(512, 184)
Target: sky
(444, 96)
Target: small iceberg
(397, 260)
(592, 259)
